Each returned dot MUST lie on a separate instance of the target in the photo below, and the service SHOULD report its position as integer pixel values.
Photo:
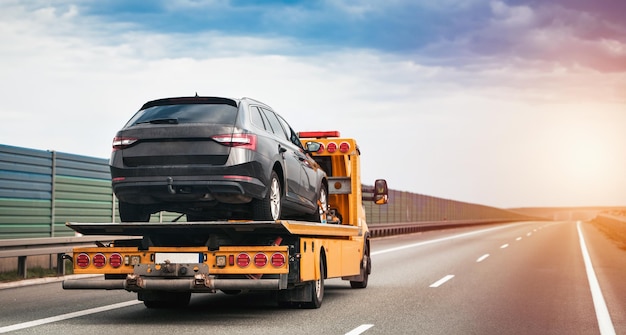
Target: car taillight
(115, 260)
(243, 260)
(278, 260)
(82, 260)
(260, 260)
(99, 260)
(331, 147)
(245, 141)
(120, 143)
(344, 147)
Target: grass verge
(34, 272)
(614, 230)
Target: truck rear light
(99, 260)
(245, 141)
(120, 143)
(278, 260)
(260, 260)
(243, 260)
(82, 260)
(344, 147)
(331, 147)
(115, 260)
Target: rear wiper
(160, 121)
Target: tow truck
(165, 262)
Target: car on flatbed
(214, 158)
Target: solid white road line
(359, 330)
(67, 316)
(602, 312)
(441, 281)
(482, 258)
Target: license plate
(178, 257)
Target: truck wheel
(317, 290)
(133, 212)
(269, 208)
(366, 269)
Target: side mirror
(378, 194)
(313, 147)
(381, 192)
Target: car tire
(133, 212)
(270, 207)
(322, 196)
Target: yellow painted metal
(319, 229)
(342, 255)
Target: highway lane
(522, 278)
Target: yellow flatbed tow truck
(169, 261)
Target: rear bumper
(148, 190)
(198, 283)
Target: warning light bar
(319, 134)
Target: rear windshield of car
(185, 113)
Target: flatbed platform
(301, 228)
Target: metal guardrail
(22, 248)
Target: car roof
(190, 101)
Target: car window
(276, 126)
(187, 113)
(293, 136)
(256, 118)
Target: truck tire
(270, 207)
(366, 269)
(317, 289)
(133, 212)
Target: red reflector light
(115, 260)
(242, 178)
(246, 141)
(82, 260)
(344, 147)
(260, 260)
(243, 260)
(278, 260)
(123, 142)
(318, 134)
(332, 147)
(99, 260)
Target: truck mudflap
(198, 283)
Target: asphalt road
(520, 278)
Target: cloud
(455, 108)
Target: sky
(516, 103)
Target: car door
(309, 177)
(292, 163)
